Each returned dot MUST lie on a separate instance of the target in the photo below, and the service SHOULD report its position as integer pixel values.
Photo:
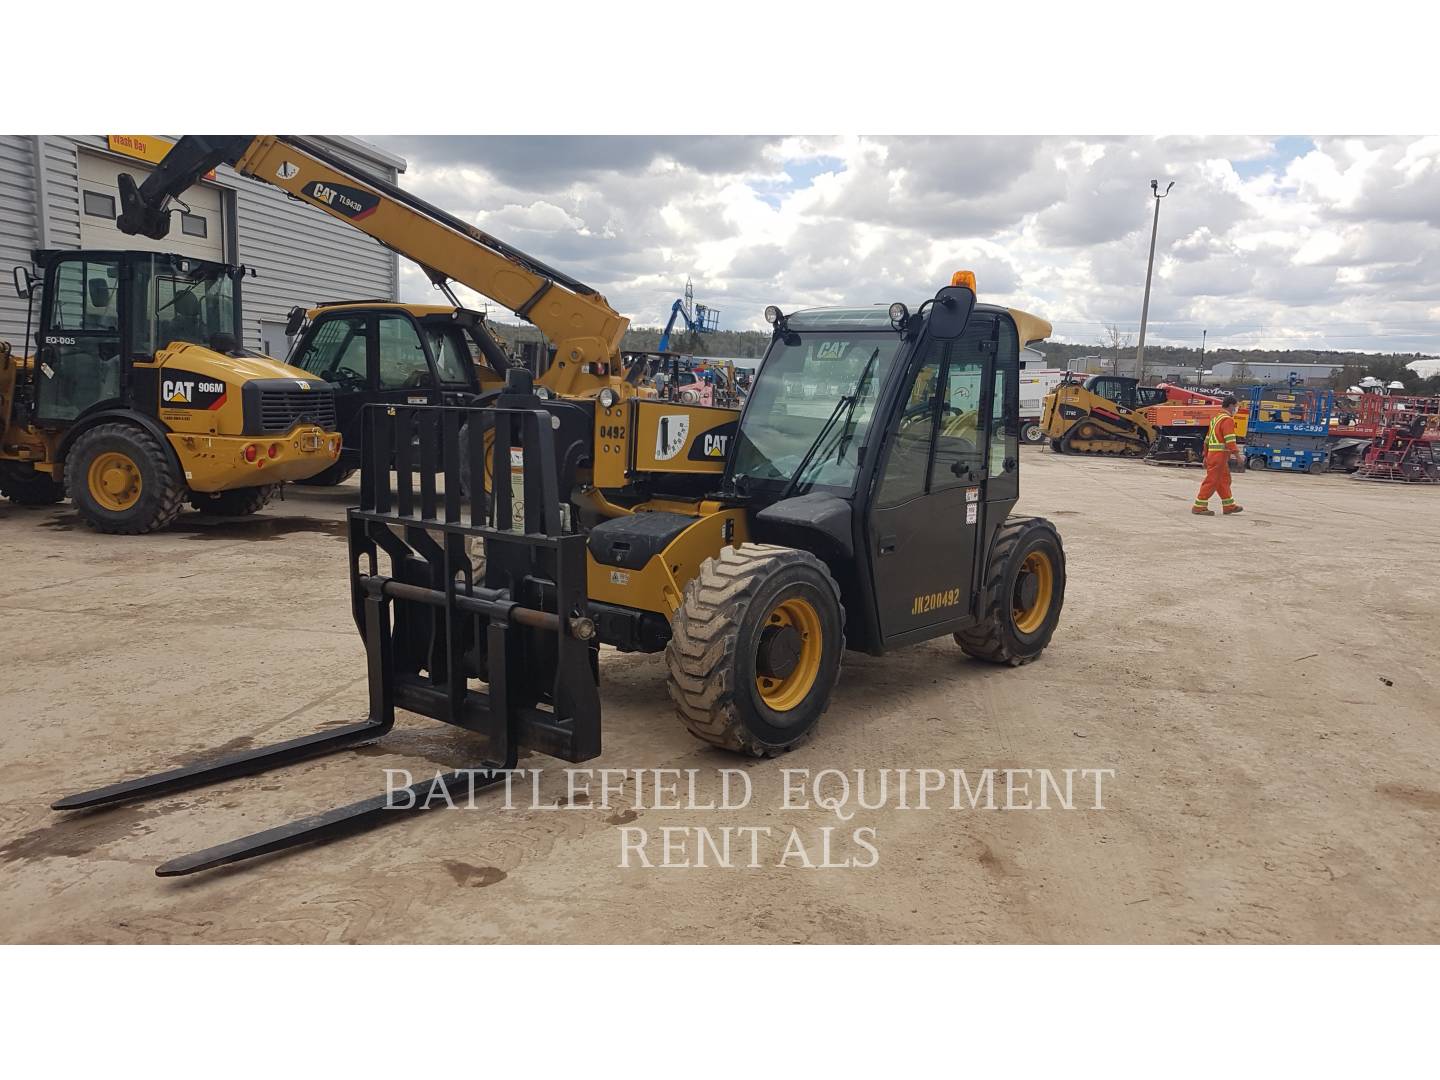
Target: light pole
(1149, 270)
(1201, 370)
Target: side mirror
(294, 321)
(951, 311)
(24, 283)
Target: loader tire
(329, 477)
(24, 485)
(1023, 593)
(755, 648)
(123, 480)
(238, 502)
(1032, 433)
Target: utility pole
(1201, 371)
(1149, 270)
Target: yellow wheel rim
(1028, 618)
(114, 481)
(785, 693)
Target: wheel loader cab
(101, 311)
(900, 482)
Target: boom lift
(139, 396)
(751, 552)
(699, 319)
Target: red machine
(1405, 434)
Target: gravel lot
(1263, 688)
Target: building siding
(299, 255)
(18, 234)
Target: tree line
(1117, 346)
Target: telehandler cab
(377, 352)
(861, 500)
(139, 397)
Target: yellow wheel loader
(139, 399)
(861, 501)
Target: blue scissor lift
(1289, 428)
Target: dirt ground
(1263, 687)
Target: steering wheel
(344, 377)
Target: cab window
(402, 354)
(336, 352)
(86, 294)
(452, 356)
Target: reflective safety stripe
(1227, 502)
(1212, 435)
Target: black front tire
(1255, 461)
(24, 485)
(162, 491)
(999, 638)
(238, 502)
(717, 635)
(1032, 433)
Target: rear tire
(24, 485)
(755, 648)
(335, 474)
(1032, 433)
(238, 502)
(1255, 461)
(122, 479)
(1015, 626)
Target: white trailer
(1035, 384)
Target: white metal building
(60, 191)
(1261, 371)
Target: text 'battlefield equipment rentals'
(139, 398)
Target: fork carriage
(502, 647)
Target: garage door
(198, 233)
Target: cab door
(930, 507)
(78, 358)
(336, 348)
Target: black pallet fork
(431, 629)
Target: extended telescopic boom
(585, 330)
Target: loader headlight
(898, 314)
(608, 397)
(542, 393)
(772, 314)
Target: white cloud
(1334, 242)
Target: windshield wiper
(847, 404)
